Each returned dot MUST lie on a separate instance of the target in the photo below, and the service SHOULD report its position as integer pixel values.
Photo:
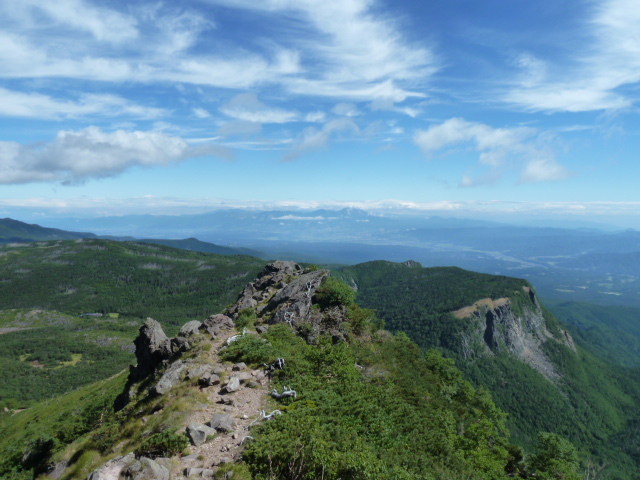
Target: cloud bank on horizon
(518, 100)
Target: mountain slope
(511, 344)
(16, 231)
(130, 278)
(357, 403)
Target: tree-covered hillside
(129, 278)
(589, 400)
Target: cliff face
(501, 326)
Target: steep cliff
(519, 329)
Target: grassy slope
(75, 277)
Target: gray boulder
(190, 328)
(112, 469)
(198, 433)
(233, 385)
(216, 324)
(146, 469)
(222, 422)
(171, 377)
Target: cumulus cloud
(75, 156)
(609, 61)
(496, 148)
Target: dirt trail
(243, 405)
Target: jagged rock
(239, 366)
(152, 349)
(190, 328)
(262, 329)
(293, 302)
(112, 469)
(223, 422)
(146, 469)
(198, 433)
(274, 274)
(170, 378)
(233, 385)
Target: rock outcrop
(153, 348)
(520, 333)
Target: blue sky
(462, 106)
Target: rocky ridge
(232, 397)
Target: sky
(463, 106)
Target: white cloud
(346, 110)
(102, 23)
(247, 107)
(348, 50)
(315, 117)
(37, 105)
(541, 170)
(92, 153)
(201, 113)
(314, 139)
(600, 67)
(496, 147)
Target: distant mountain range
(14, 231)
(584, 265)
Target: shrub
(164, 444)
(334, 292)
(250, 349)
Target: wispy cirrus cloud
(347, 50)
(38, 105)
(598, 72)
(315, 139)
(497, 149)
(75, 156)
(247, 107)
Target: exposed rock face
(170, 378)
(282, 293)
(502, 329)
(152, 349)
